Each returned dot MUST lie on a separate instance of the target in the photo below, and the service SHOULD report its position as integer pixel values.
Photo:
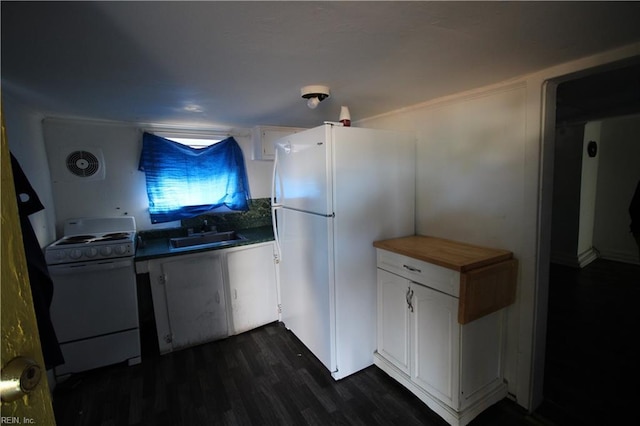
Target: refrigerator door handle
(274, 175)
(274, 207)
(275, 234)
(309, 212)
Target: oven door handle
(97, 265)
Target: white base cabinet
(456, 369)
(251, 278)
(210, 295)
(189, 300)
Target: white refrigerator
(335, 191)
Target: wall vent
(85, 163)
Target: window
(195, 143)
(184, 182)
(192, 139)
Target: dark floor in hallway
(591, 366)
(267, 377)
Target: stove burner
(114, 236)
(75, 239)
(88, 239)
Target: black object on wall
(41, 282)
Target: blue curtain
(184, 182)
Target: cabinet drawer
(434, 276)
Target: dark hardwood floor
(267, 377)
(262, 377)
(591, 365)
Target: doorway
(589, 314)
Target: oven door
(94, 298)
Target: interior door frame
(545, 208)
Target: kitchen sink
(205, 238)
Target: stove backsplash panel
(259, 214)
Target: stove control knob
(106, 251)
(75, 254)
(91, 252)
(120, 250)
(61, 254)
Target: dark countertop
(153, 248)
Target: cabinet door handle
(411, 301)
(408, 297)
(217, 297)
(411, 268)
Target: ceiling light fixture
(192, 108)
(314, 94)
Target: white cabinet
(418, 334)
(189, 299)
(264, 137)
(455, 368)
(393, 319)
(252, 286)
(210, 295)
(435, 334)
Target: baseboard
(593, 254)
(620, 256)
(575, 261)
(587, 256)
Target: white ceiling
(243, 63)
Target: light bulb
(313, 102)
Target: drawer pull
(411, 268)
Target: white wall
(24, 135)
(588, 186)
(618, 175)
(471, 174)
(123, 191)
(485, 176)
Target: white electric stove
(95, 303)
(93, 239)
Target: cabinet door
(435, 337)
(195, 299)
(252, 285)
(159, 298)
(393, 319)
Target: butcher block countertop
(450, 254)
(488, 276)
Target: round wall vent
(83, 163)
